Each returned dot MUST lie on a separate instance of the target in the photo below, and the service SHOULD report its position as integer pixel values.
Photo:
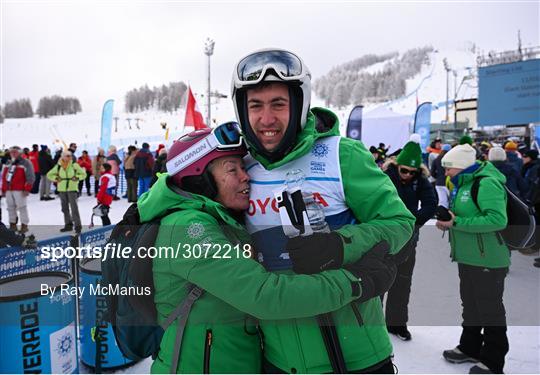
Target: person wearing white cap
(483, 259)
(514, 182)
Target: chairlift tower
(208, 51)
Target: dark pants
(70, 208)
(537, 231)
(86, 182)
(397, 300)
(384, 367)
(117, 176)
(131, 189)
(105, 218)
(481, 291)
(96, 185)
(35, 186)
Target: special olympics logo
(195, 230)
(320, 150)
(64, 345)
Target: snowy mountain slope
(84, 128)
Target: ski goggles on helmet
(226, 137)
(252, 68)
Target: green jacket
(235, 285)
(473, 238)
(66, 175)
(381, 215)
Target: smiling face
(232, 182)
(268, 113)
(406, 173)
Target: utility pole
(208, 51)
(447, 68)
(455, 85)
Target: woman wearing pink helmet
(207, 181)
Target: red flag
(193, 114)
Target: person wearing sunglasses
(410, 177)
(271, 91)
(205, 193)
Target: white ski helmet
(272, 65)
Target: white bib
(322, 173)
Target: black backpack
(134, 317)
(519, 232)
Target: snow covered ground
(435, 309)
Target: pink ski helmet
(191, 153)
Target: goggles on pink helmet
(191, 153)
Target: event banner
(17, 260)
(96, 237)
(422, 124)
(509, 94)
(354, 125)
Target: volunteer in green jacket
(207, 181)
(68, 174)
(271, 92)
(483, 259)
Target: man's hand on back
(316, 253)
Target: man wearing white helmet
(271, 91)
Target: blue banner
(106, 124)
(354, 125)
(422, 124)
(509, 94)
(17, 260)
(97, 237)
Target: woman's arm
(222, 269)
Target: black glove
(316, 253)
(376, 271)
(442, 214)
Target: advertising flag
(106, 124)
(422, 124)
(354, 125)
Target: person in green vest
(67, 175)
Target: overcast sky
(100, 50)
